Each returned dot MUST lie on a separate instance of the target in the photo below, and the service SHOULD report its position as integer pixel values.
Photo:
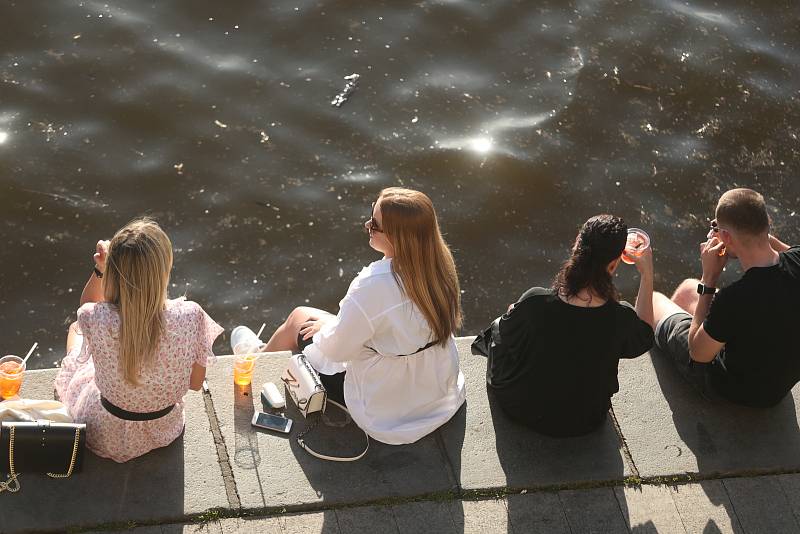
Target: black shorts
(672, 341)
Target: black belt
(429, 345)
(133, 416)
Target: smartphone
(272, 422)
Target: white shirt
(396, 399)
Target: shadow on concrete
(148, 488)
(488, 450)
(386, 471)
(453, 440)
(725, 438)
(646, 528)
(246, 453)
(515, 459)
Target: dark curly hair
(600, 240)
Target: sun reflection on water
(481, 145)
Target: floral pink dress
(93, 367)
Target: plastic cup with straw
(12, 370)
(246, 347)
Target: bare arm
(644, 299)
(93, 290)
(197, 377)
(702, 347)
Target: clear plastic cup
(245, 345)
(243, 367)
(637, 243)
(12, 370)
(244, 340)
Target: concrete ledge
(272, 471)
(671, 429)
(222, 464)
(760, 506)
(167, 484)
(488, 450)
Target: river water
(519, 119)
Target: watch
(705, 290)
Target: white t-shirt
(396, 399)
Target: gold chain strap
(74, 456)
(12, 479)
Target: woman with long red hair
(390, 353)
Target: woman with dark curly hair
(557, 369)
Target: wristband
(98, 273)
(703, 289)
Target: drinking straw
(261, 329)
(33, 348)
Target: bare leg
(686, 295)
(683, 300)
(285, 337)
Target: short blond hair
(136, 280)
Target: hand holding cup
(638, 241)
(644, 262)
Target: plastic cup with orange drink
(245, 344)
(637, 243)
(243, 367)
(12, 369)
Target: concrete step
(166, 485)
(686, 508)
(671, 429)
(666, 433)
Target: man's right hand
(713, 259)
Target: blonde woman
(390, 352)
(133, 354)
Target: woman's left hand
(311, 327)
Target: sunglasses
(372, 224)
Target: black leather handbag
(55, 449)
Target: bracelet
(98, 273)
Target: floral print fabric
(93, 367)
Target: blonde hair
(422, 262)
(136, 279)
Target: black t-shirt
(755, 317)
(558, 367)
